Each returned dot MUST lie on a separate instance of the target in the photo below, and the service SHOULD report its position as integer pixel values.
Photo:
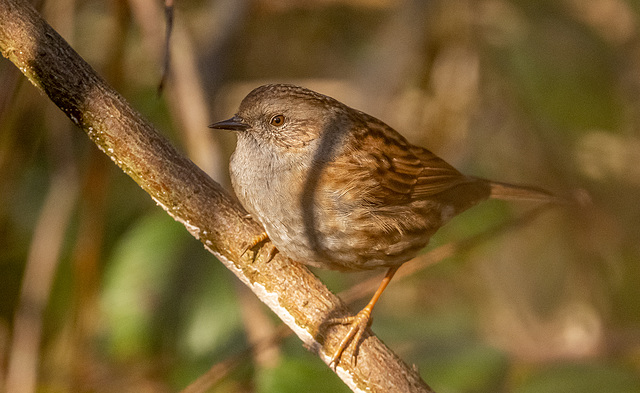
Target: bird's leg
(257, 240)
(359, 322)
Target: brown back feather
(391, 170)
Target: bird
(336, 188)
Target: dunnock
(339, 189)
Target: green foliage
(140, 270)
(469, 369)
(581, 378)
(300, 374)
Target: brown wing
(390, 170)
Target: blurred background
(101, 291)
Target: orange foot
(358, 324)
(260, 239)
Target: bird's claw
(358, 324)
(256, 241)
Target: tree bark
(192, 198)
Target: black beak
(235, 124)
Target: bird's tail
(513, 192)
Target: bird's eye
(277, 120)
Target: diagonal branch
(191, 197)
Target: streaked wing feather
(436, 176)
(395, 171)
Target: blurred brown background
(100, 291)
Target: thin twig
(40, 269)
(166, 64)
